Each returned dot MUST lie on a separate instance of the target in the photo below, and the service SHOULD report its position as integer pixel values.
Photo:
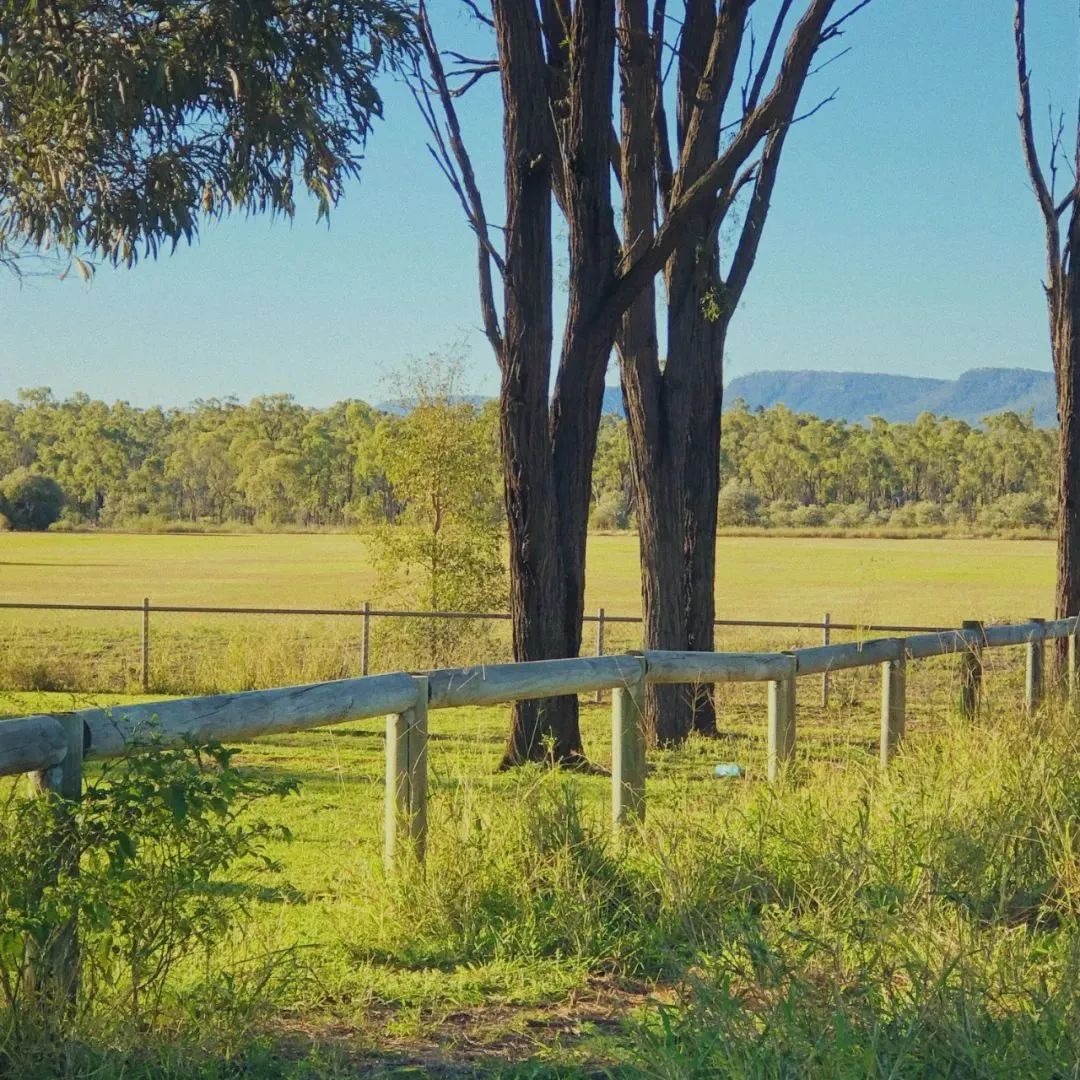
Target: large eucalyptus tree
(564, 153)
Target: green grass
(736, 928)
(844, 923)
(861, 581)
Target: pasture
(843, 923)
(856, 580)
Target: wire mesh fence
(175, 649)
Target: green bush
(30, 501)
(737, 506)
(808, 517)
(610, 512)
(137, 867)
(1017, 510)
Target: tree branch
(1027, 131)
(775, 111)
(833, 29)
(751, 101)
(465, 185)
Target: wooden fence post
(53, 971)
(146, 645)
(893, 702)
(406, 777)
(781, 722)
(1034, 682)
(1074, 659)
(971, 672)
(628, 750)
(365, 640)
(599, 645)
(825, 639)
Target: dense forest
(276, 463)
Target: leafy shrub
(917, 515)
(808, 517)
(135, 869)
(30, 501)
(737, 505)
(853, 516)
(5, 523)
(778, 514)
(610, 512)
(1017, 510)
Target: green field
(769, 578)
(923, 923)
(936, 582)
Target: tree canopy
(121, 123)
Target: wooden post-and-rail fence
(53, 747)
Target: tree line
(275, 463)
(271, 461)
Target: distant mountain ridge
(855, 396)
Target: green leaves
(121, 124)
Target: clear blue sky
(903, 238)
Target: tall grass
(846, 922)
(919, 923)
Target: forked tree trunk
(537, 574)
(548, 454)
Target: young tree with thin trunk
(556, 62)
(1063, 303)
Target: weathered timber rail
(53, 747)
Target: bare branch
(775, 111)
(471, 76)
(825, 63)
(665, 171)
(833, 29)
(1027, 129)
(750, 102)
(457, 167)
(477, 13)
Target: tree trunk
(548, 454)
(1064, 312)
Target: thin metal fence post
(407, 777)
(599, 645)
(781, 749)
(365, 640)
(1034, 681)
(825, 639)
(628, 750)
(145, 678)
(893, 702)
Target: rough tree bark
(1063, 304)
(674, 409)
(556, 63)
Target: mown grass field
(860, 581)
(844, 923)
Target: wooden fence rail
(54, 746)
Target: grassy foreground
(865, 581)
(843, 924)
